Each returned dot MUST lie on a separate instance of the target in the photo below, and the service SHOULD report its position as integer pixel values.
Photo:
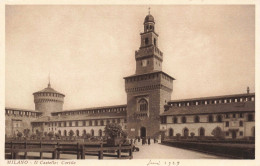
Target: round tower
(48, 100)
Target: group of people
(144, 140)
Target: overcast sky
(209, 50)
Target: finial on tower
(49, 84)
(248, 90)
(149, 10)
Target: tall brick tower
(149, 89)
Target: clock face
(144, 63)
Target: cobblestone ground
(159, 151)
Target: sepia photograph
(109, 82)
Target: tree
(86, 135)
(113, 130)
(45, 134)
(71, 133)
(39, 134)
(33, 136)
(192, 134)
(26, 132)
(19, 134)
(217, 132)
(57, 135)
(51, 134)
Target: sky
(209, 50)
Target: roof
(20, 109)
(149, 18)
(153, 72)
(212, 108)
(81, 117)
(93, 108)
(49, 90)
(213, 97)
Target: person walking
(143, 141)
(149, 140)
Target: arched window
(183, 119)
(143, 105)
(113, 121)
(175, 119)
(59, 132)
(92, 132)
(210, 117)
(65, 133)
(154, 41)
(185, 132)
(84, 132)
(197, 119)
(100, 132)
(219, 118)
(77, 132)
(108, 121)
(170, 132)
(96, 123)
(201, 131)
(90, 123)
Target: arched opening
(77, 133)
(201, 132)
(210, 118)
(143, 132)
(175, 120)
(183, 119)
(197, 119)
(170, 132)
(65, 133)
(92, 132)
(84, 132)
(185, 132)
(59, 132)
(100, 133)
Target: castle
(149, 110)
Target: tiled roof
(94, 108)
(49, 90)
(214, 97)
(82, 117)
(212, 108)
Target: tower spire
(149, 10)
(49, 84)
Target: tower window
(143, 105)
(146, 40)
(154, 41)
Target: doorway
(143, 132)
(234, 134)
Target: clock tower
(149, 89)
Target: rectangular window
(241, 133)
(234, 115)
(227, 115)
(241, 115)
(227, 124)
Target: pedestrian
(149, 141)
(154, 140)
(143, 141)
